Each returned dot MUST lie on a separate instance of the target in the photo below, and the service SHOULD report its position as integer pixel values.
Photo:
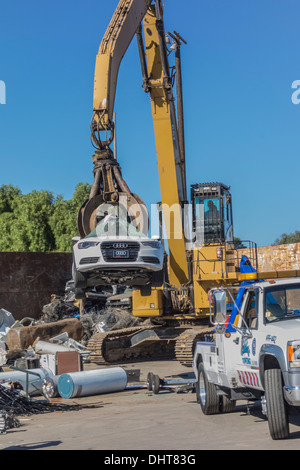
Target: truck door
(237, 361)
(247, 365)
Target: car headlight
(84, 245)
(294, 354)
(152, 244)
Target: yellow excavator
(200, 252)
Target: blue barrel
(92, 382)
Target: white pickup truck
(255, 355)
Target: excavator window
(212, 213)
(207, 216)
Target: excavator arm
(109, 188)
(119, 34)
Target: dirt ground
(137, 419)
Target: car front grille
(108, 249)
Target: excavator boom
(118, 36)
(171, 173)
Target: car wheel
(276, 406)
(78, 278)
(207, 393)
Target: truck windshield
(282, 303)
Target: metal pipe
(45, 347)
(92, 382)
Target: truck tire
(276, 406)
(207, 393)
(227, 405)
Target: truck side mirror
(220, 307)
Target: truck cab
(256, 354)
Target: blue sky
(241, 125)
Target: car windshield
(115, 227)
(282, 303)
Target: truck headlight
(294, 354)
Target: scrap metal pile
(36, 353)
(103, 311)
(14, 403)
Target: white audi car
(115, 252)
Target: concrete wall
(27, 281)
(279, 257)
(276, 258)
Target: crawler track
(186, 342)
(136, 343)
(146, 343)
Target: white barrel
(92, 382)
(35, 384)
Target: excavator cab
(212, 213)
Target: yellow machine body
(147, 305)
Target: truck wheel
(227, 405)
(150, 381)
(207, 393)
(276, 406)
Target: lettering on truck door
(248, 366)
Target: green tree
(7, 195)
(63, 221)
(238, 244)
(39, 221)
(7, 222)
(32, 230)
(286, 238)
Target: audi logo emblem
(120, 245)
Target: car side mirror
(220, 307)
(75, 239)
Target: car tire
(277, 413)
(78, 278)
(207, 393)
